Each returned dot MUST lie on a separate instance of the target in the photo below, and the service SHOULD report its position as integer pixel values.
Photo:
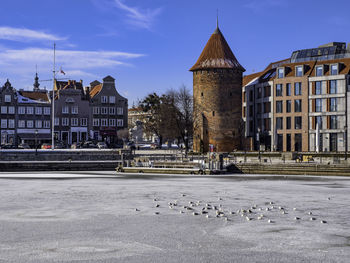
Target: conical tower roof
(217, 54)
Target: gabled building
(108, 110)
(72, 112)
(8, 102)
(300, 103)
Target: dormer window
(280, 73)
(7, 98)
(299, 72)
(319, 71)
(334, 69)
(70, 100)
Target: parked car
(102, 145)
(8, 146)
(46, 146)
(24, 146)
(130, 146)
(115, 145)
(89, 144)
(60, 145)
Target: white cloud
(20, 63)
(23, 34)
(137, 17)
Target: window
(279, 123)
(288, 106)
(104, 110)
(4, 124)
(278, 89)
(319, 122)
(30, 124)
(251, 112)
(259, 93)
(297, 123)
(65, 110)
(333, 87)
(74, 121)
(267, 107)
(120, 122)
(299, 71)
(7, 98)
(30, 110)
(3, 109)
(21, 110)
(83, 122)
(111, 110)
(267, 124)
(333, 102)
(318, 88)
(288, 89)
(280, 73)
(96, 110)
(267, 91)
(21, 124)
(38, 124)
(279, 106)
(46, 124)
(258, 107)
(104, 122)
(95, 122)
(75, 110)
(297, 142)
(65, 121)
(288, 123)
(112, 122)
(318, 105)
(319, 71)
(11, 110)
(104, 99)
(297, 105)
(334, 69)
(333, 124)
(297, 88)
(57, 121)
(111, 99)
(120, 111)
(11, 124)
(251, 95)
(38, 110)
(47, 111)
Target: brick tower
(217, 97)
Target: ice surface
(103, 217)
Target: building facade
(217, 83)
(300, 103)
(72, 112)
(8, 103)
(108, 111)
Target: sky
(149, 45)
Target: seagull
(157, 205)
(296, 218)
(156, 213)
(310, 213)
(183, 195)
(195, 213)
(181, 212)
(248, 218)
(137, 210)
(270, 221)
(323, 222)
(312, 218)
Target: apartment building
(8, 100)
(300, 103)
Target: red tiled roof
(216, 54)
(35, 95)
(95, 90)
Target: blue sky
(149, 45)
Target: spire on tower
(36, 82)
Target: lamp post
(36, 145)
(346, 141)
(258, 139)
(186, 142)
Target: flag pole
(53, 98)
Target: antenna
(53, 98)
(217, 18)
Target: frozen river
(101, 217)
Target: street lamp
(186, 142)
(258, 139)
(36, 145)
(346, 141)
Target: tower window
(230, 94)
(202, 94)
(213, 113)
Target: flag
(62, 72)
